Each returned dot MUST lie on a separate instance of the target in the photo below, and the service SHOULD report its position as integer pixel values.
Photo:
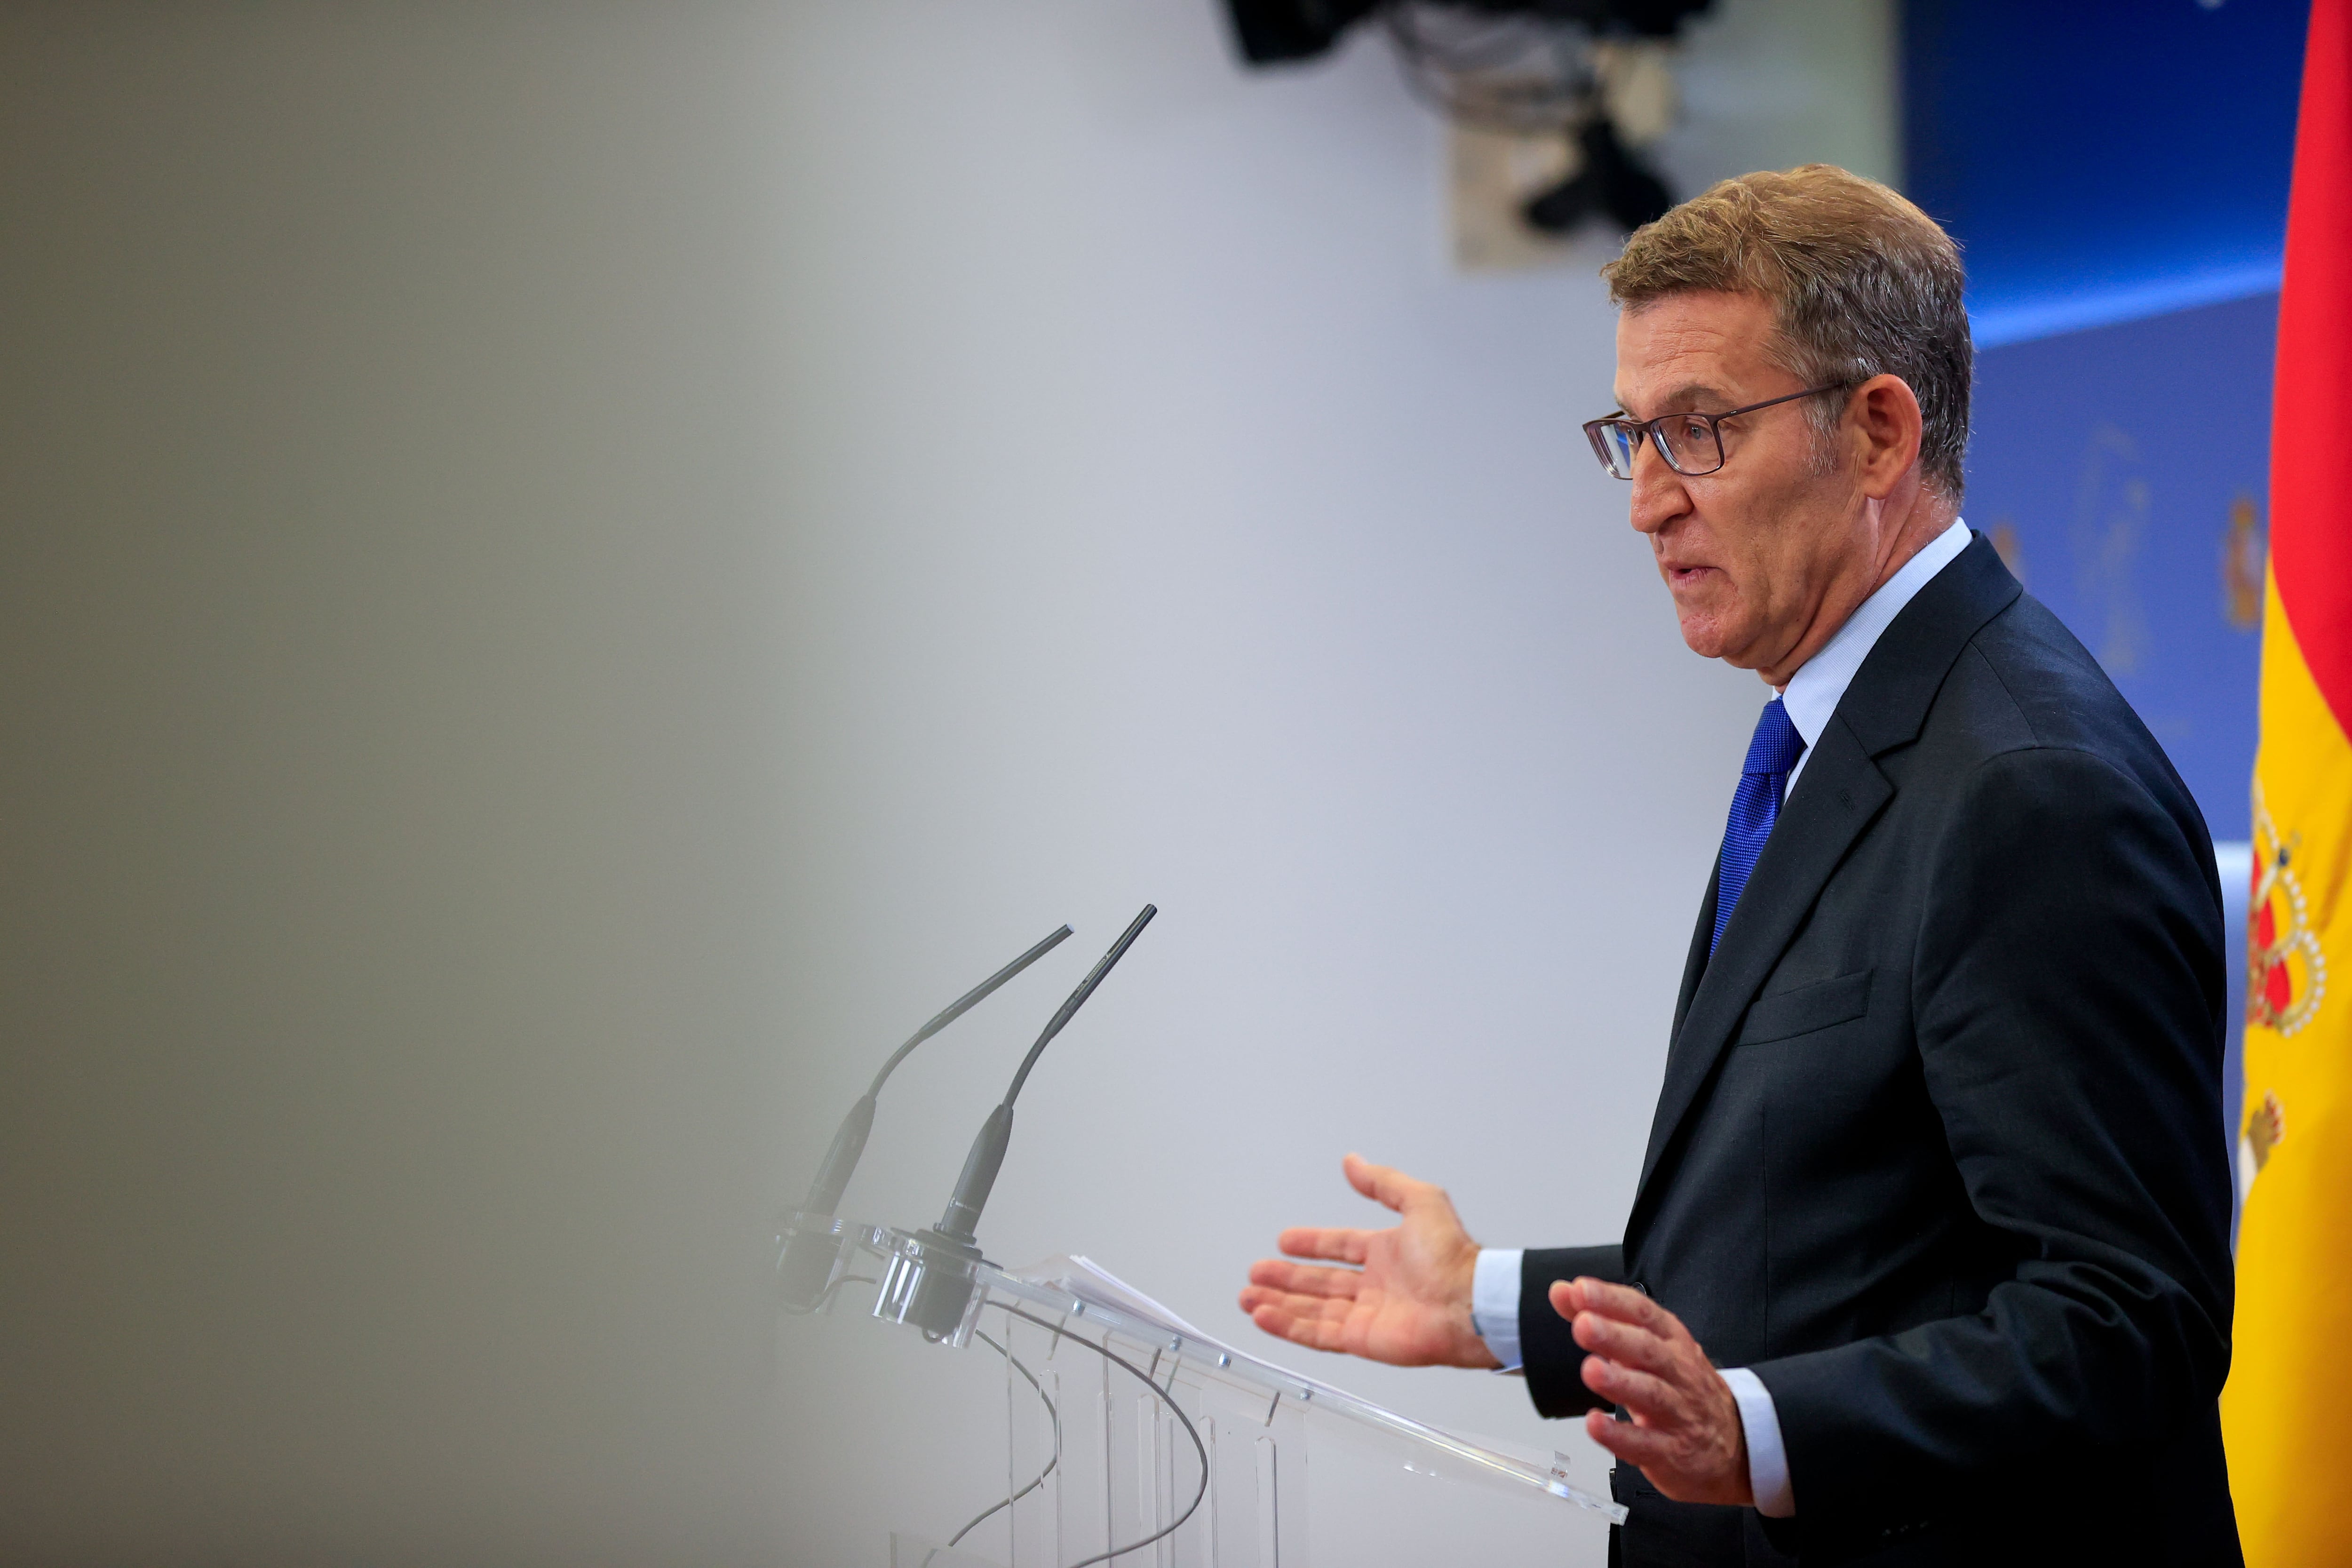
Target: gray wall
(573, 570)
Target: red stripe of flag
(2310, 423)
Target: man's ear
(1884, 416)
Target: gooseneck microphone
(961, 1222)
(805, 1265)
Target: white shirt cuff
(1494, 1302)
(1767, 1461)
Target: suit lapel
(1837, 795)
(1839, 792)
(1695, 962)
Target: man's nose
(1659, 494)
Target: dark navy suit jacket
(1939, 1150)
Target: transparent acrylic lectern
(1130, 1437)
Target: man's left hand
(1685, 1434)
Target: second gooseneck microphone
(805, 1265)
(960, 1224)
(832, 1176)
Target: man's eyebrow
(1685, 398)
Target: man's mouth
(1683, 576)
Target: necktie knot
(1776, 745)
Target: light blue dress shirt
(1812, 696)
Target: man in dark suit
(1929, 1258)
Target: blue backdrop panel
(2102, 160)
(2123, 470)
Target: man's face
(1752, 550)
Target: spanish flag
(2287, 1411)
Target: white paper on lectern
(1097, 1287)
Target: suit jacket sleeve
(1553, 1360)
(2066, 994)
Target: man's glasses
(1692, 444)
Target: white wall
(574, 571)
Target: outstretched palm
(1407, 1299)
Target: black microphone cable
(1163, 1395)
(1052, 1414)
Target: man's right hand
(1407, 1302)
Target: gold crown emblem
(2286, 972)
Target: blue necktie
(1763, 779)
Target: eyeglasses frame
(1647, 429)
